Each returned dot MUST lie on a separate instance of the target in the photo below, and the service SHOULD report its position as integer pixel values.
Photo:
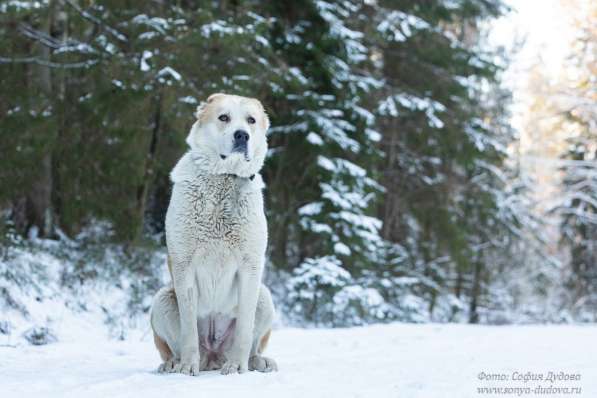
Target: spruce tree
(322, 192)
(441, 148)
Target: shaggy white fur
(217, 314)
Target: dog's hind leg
(165, 323)
(264, 317)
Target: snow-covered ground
(396, 360)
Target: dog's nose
(241, 137)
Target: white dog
(217, 314)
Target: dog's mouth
(246, 156)
(241, 150)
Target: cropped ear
(265, 121)
(201, 108)
(191, 137)
(264, 117)
(212, 97)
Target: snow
(42, 287)
(334, 14)
(189, 100)
(398, 26)
(144, 65)
(392, 360)
(330, 123)
(22, 5)
(296, 72)
(314, 139)
(158, 24)
(389, 107)
(341, 248)
(325, 270)
(168, 71)
(371, 224)
(220, 28)
(311, 209)
(373, 135)
(341, 165)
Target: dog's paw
(231, 367)
(189, 369)
(167, 366)
(262, 364)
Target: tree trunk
(142, 190)
(476, 291)
(39, 198)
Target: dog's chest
(220, 208)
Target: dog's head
(229, 135)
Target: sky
(543, 31)
(540, 32)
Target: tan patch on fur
(263, 342)
(163, 349)
(205, 110)
(170, 267)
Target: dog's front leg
(186, 295)
(249, 282)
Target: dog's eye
(224, 118)
(251, 120)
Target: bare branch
(120, 36)
(70, 45)
(39, 36)
(49, 64)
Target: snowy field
(398, 360)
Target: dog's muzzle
(241, 138)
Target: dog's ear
(212, 97)
(190, 138)
(264, 117)
(201, 108)
(200, 114)
(265, 121)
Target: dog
(217, 314)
